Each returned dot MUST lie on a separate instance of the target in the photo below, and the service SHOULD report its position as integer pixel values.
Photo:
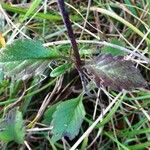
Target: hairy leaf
(11, 127)
(115, 72)
(26, 49)
(67, 119)
(21, 70)
(25, 58)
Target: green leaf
(33, 6)
(21, 70)
(50, 15)
(25, 58)
(49, 113)
(131, 7)
(124, 147)
(12, 128)
(67, 119)
(26, 49)
(115, 72)
(140, 146)
(60, 70)
(130, 133)
(114, 51)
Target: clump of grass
(49, 100)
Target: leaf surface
(49, 113)
(60, 70)
(67, 119)
(12, 128)
(25, 58)
(26, 50)
(115, 72)
(21, 70)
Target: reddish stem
(68, 26)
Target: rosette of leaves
(115, 72)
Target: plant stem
(68, 26)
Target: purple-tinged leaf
(114, 72)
